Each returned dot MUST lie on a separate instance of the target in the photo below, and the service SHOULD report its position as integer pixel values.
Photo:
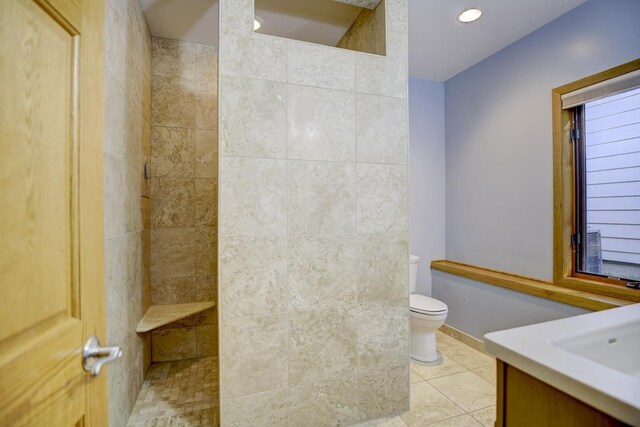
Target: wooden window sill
(527, 285)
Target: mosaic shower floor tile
(178, 394)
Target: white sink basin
(594, 357)
(616, 347)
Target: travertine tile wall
(127, 144)
(313, 256)
(184, 156)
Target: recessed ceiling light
(469, 15)
(257, 23)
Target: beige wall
(367, 33)
(184, 194)
(313, 257)
(126, 145)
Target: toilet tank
(413, 272)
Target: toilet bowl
(426, 316)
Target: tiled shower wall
(126, 145)
(184, 157)
(313, 253)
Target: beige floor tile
(415, 378)
(428, 405)
(441, 393)
(464, 355)
(467, 390)
(461, 421)
(487, 372)
(444, 366)
(447, 340)
(441, 337)
(486, 416)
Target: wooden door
(51, 209)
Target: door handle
(94, 355)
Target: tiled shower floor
(178, 394)
(459, 390)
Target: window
(597, 183)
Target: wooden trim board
(464, 338)
(527, 285)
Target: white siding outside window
(613, 174)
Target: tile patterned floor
(458, 390)
(178, 394)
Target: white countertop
(531, 349)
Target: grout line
(242, 76)
(357, 237)
(286, 242)
(353, 234)
(349, 161)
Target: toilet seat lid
(424, 304)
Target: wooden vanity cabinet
(525, 401)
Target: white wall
(499, 181)
(499, 141)
(478, 308)
(426, 176)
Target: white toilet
(426, 316)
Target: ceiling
(188, 20)
(439, 46)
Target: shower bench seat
(160, 315)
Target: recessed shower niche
(328, 22)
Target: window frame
(565, 196)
